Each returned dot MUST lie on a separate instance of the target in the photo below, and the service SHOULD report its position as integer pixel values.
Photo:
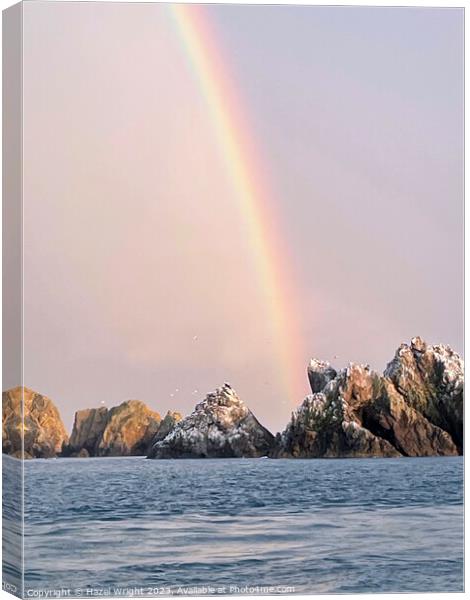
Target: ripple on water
(318, 525)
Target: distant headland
(415, 408)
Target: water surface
(227, 526)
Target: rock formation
(125, 430)
(221, 426)
(319, 374)
(167, 424)
(414, 409)
(87, 430)
(430, 379)
(44, 432)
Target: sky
(139, 275)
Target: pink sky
(139, 278)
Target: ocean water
(124, 526)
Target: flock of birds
(195, 392)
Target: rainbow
(211, 70)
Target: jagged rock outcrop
(430, 378)
(325, 426)
(319, 374)
(87, 430)
(414, 409)
(124, 430)
(167, 424)
(221, 426)
(44, 432)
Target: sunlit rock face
(88, 428)
(413, 409)
(38, 421)
(221, 426)
(124, 430)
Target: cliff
(430, 379)
(125, 430)
(44, 432)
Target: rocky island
(221, 426)
(124, 430)
(414, 408)
(42, 429)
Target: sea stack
(221, 426)
(413, 409)
(44, 432)
(124, 430)
(430, 379)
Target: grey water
(130, 526)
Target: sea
(136, 527)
